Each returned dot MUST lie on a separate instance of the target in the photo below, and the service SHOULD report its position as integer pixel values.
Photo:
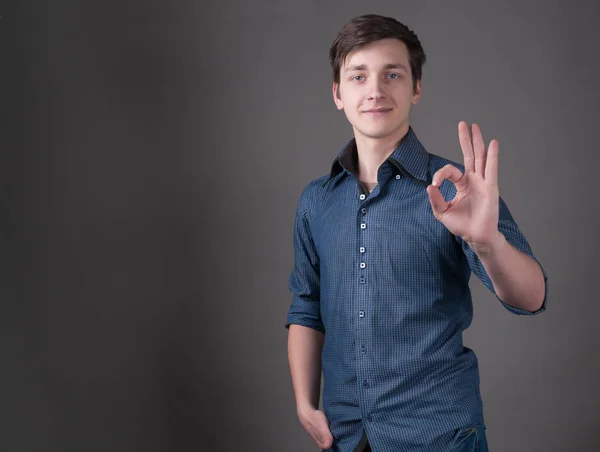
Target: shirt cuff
(305, 313)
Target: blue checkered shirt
(388, 284)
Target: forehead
(378, 54)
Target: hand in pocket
(316, 424)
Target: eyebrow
(362, 67)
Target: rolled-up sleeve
(304, 279)
(515, 237)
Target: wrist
(305, 407)
(496, 242)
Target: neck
(372, 152)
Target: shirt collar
(409, 157)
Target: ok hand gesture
(473, 213)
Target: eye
(357, 78)
(393, 76)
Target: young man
(382, 264)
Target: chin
(377, 132)
(381, 128)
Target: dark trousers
(363, 446)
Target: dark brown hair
(363, 30)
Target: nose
(376, 89)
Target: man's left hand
(473, 213)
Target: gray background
(152, 158)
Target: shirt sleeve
(304, 281)
(515, 237)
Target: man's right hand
(316, 424)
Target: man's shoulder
(312, 192)
(317, 184)
(437, 162)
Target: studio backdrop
(152, 157)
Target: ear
(417, 94)
(337, 96)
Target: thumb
(322, 426)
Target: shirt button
(364, 210)
(363, 280)
(370, 418)
(362, 197)
(397, 176)
(363, 265)
(362, 349)
(363, 225)
(362, 249)
(361, 314)
(365, 384)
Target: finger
(326, 436)
(437, 201)
(315, 434)
(323, 438)
(327, 441)
(467, 148)
(321, 432)
(478, 149)
(451, 173)
(491, 167)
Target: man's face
(376, 89)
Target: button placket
(361, 249)
(362, 279)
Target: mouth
(377, 111)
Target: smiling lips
(377, 111)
